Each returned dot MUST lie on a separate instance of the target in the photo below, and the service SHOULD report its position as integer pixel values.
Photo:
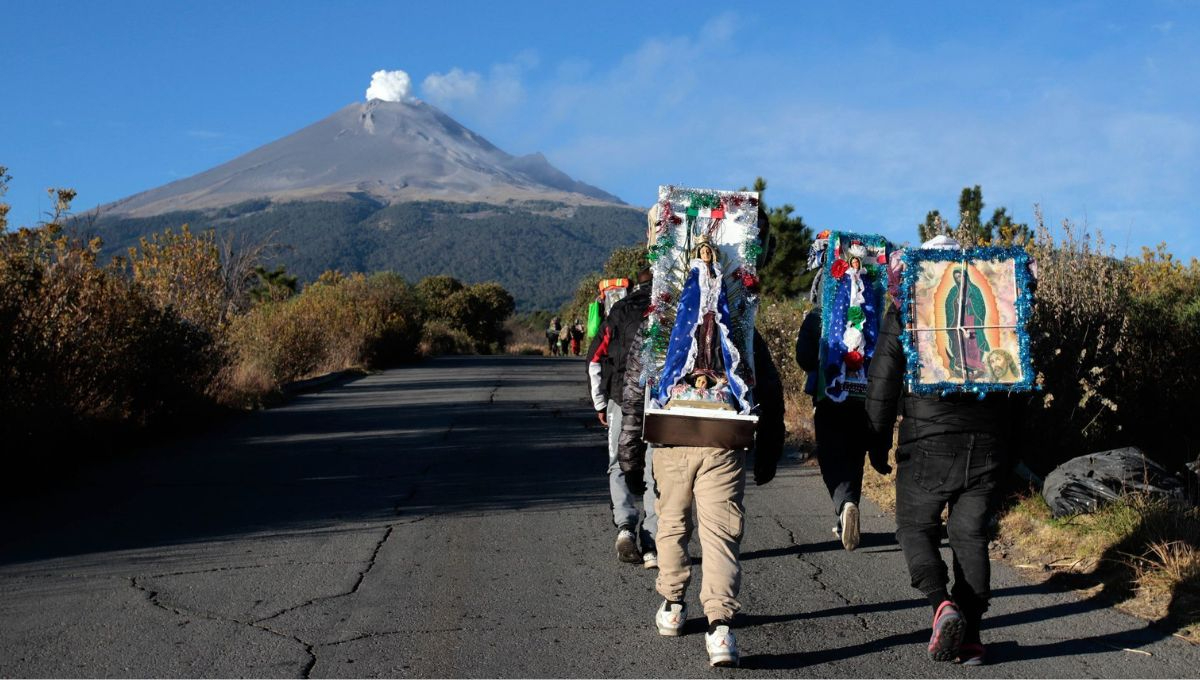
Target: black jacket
(610, 348)
(808, 349)
(925, 415)
(768, 393)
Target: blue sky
(863, 117)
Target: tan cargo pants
(713, 481)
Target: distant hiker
(564, 340)
(844, 438)
(607, 360)
(577, 332)
(552, 335)
(953, 450)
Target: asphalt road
(451, 519)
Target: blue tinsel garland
(912, 259)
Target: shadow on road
(1000, 649)
(872, 540)
(436, 438)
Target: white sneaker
(849, 524)
(721, 646)
(650, 559)
(670, 618)
(627, 550)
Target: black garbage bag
(1085, 483)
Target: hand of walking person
(763, 472)
(603, 418)
(878, 454)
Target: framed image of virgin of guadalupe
(853, 299)
(698, 356)
(966, 316)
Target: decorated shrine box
(698, 361)
(966, 316)
(853, 299)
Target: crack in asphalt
(240, 567)
(152, 596)
(818, 572)
(362, 576)
(462, 629)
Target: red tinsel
(839, 268)
(882, 259)
(750, 281)
(665, 297)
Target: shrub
(479, 311)
(85, 347)
(1117, 346)
(182, 271)
(439, 339)
(336, 323)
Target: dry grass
(798, 419)
(880, 488)
(527, 349)
(1139, 554)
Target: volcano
(397, 186)
(389, 151)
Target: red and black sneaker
(947, 636)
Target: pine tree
(787, 248)
(971, 231)
(970, 208)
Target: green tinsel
(660, 249)
(752, 249)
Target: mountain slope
(390, 151)
(538, 251)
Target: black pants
(962, 471)
(841, 432)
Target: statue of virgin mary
(700, 341)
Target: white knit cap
(943, 242)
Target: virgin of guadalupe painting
(965, 317)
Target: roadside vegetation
(183, 326)
(1139, 554)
